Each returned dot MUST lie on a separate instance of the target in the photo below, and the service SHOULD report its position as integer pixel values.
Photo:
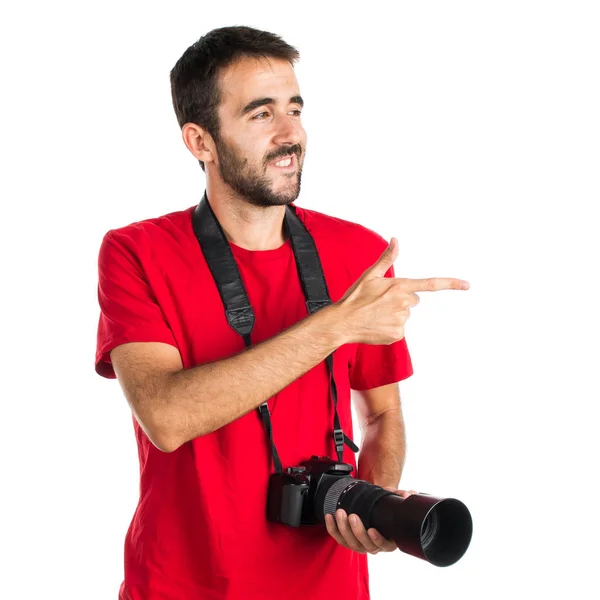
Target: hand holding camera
(349, 531)
(376, 307)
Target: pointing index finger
(434, 284)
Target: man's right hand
(376, 307)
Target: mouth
(285, 164)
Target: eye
(257, 117)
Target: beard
(255, 186)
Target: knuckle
(431, 285)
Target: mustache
(296, 150)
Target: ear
(199, 142)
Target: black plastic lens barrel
(438, 530)
(435, 529)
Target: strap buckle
(338, 438)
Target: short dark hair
(194, 78)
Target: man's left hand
(349, 531)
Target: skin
(249, 197)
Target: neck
(251, 227)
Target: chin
(284, 197)
(283, 201)
(287, 198)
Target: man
(200, 529)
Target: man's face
(260, 125)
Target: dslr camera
(434, 529)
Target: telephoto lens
(434, 529)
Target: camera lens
(429, 529)
(435, 529)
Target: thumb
(386, 260)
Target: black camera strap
(238, 311)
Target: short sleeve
(129, 311)
(377, 365)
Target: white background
(468, 130)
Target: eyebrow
(262, 101)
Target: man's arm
(174, 405)
(383, 448)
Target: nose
(288, 130)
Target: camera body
(299, 496)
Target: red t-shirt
(200, 529)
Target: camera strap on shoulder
(239, 313)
